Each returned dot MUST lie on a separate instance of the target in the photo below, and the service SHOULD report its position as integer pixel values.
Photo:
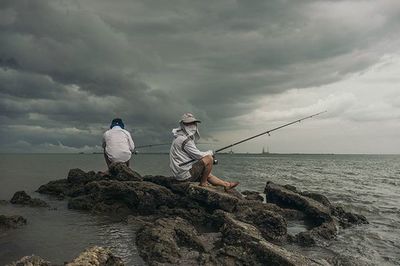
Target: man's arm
(191, 149)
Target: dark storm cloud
(68, 67)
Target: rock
(290, 187)
(318, 197)
(140, 197)
(315, 211)
(73, 186)
(122, 172)
(319, 212)
(79, 176)
(96, 256)
(85, 203)
(253, 195)
(31, 261)
(244, 245)
(170, 241)
(59, 188)
(346, 260)
(21, 198)
(11, 222)
(326, 231)
(271, 224)
(165, 181)
(347, 219)
(213, 197)
(184, 223)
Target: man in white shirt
(117, 143)
(183, 149)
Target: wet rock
(21, 198)
(347, 219)
(31, 261)
(165, 181)
(319, 212)
(73, 185)
(346, 260)
(96, 256)
(290, 187)
(326, 231)
(184, 223)
(271, 224)
(59, 188)
(244, 245)
(213, 197)
(122, 172)
(285, 198)
(170, 241)
(192, 212)
(141, 197)
(253, 195)
(318, 197)
(11, 222)
(85, 203)
(79, 176)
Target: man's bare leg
(207, 176)
(208, 163)
(217, 182)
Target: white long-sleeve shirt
(177, 155)
(118, 144)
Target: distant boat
(231, 151)
(265, 152)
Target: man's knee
(207, 160)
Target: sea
(364, 184)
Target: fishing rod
(258, 135)
(160, 144)
(151, 145)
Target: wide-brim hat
(189, 118)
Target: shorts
(196, 172)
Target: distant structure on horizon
(265, 152)
(231, 151)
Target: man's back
(118, 144)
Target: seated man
(117, 143)
(183, 149)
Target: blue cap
(117, 122)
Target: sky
(67, 68)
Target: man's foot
(203, 184)
(231, 185)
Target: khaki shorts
(196, 172)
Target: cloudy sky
(68, 67)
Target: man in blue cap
(117, 143)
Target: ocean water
(365, 184)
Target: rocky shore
(94, 256)
(185, 224)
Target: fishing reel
(215, 161)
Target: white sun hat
(189, 118)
